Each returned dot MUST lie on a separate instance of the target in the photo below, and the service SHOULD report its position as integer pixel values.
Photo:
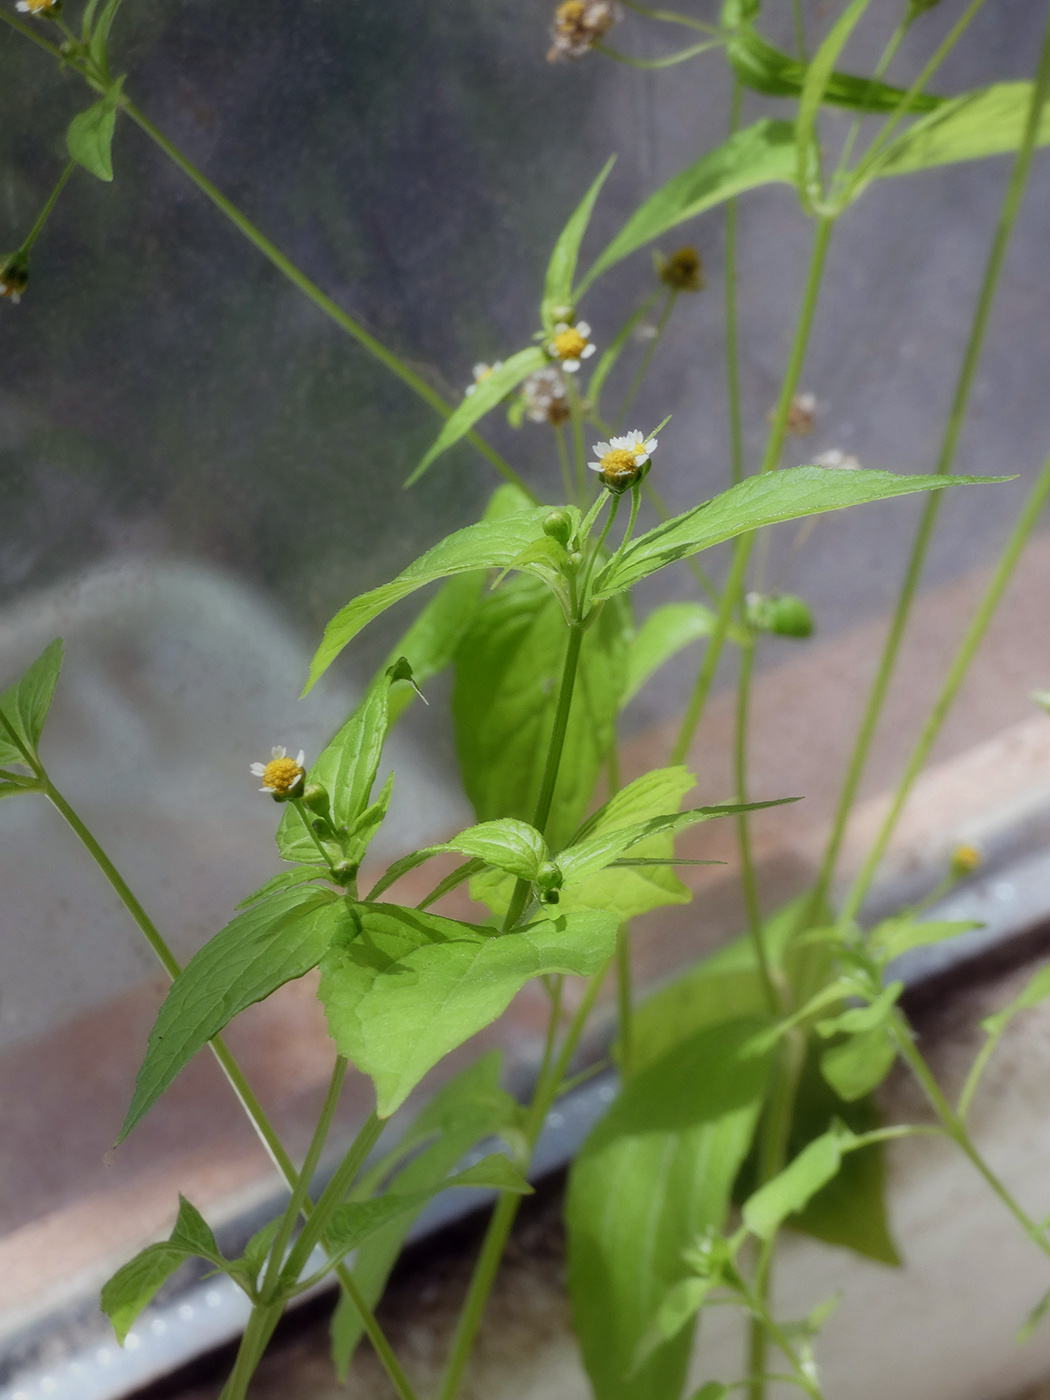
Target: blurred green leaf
(817, 76)
(90, 134)
(667, 630)
(557, 289)
(987, 122)
(652, 1175)
(759, 155)
(402, 988)
(801, 1179)
(25, 705)
(860, 1063)
(257, 952)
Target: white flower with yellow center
(38, 7)
(571, 345)
(282, 776)
(482, 372)
(620, 459)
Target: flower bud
(14, 276)
(558, 525)
(785, 616)
(965, 859)
(562, 312)
(345, 871)
(682, 271)
(315, 796)
(549, 882)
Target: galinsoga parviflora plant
(715, 1087)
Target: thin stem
(301, 1188)
(576, 410)
(585, 581)
(563, 461)
(671, 17)
(733, 590)
(956, 674)
(304, 815)
(647, 357)
(625, 1000)
(732, 320)
(755, 927)
(888, 55)
(254, 1341)
(29, 31)
(506, 1209)
(668, 60)
(309, 289)
(946, 457)
(45, 213)
(977, 1070)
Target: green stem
(45, 213)
(332, 1196)
(946, 457)
(888, 55)
(625, 1000)
(667, 61)
(954, 679)
(647, 358)
(733, 591)
(306, 1175)
(261, 1326)
(29, 31)
(234, 1074)
(732, 320)
(563, 461)
(334, 312)
(755, 927)
(576, 410)
(507, 1206)
(671, 17)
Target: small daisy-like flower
(571, 345)
(578, 23)
(546, 396)
(965, 860)
(283, 777)
(39, 7)
(482, 372)
(836, 460)
(682, 271)
(621, 459)
(801, 416)
(14, 277)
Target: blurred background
(197, 468)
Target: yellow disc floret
(569, 344)
(619, 465)
(281, 775)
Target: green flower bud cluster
(784, 615)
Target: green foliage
(257, 952)
(402, 988)
(485, 396)
(354, 1223)
(784, 615)
(756, 501)
(766, 69)
(347, 769)
(25, 706)
(759, 155)
(987, 122)
(285, 880)
(801, 1179)
(134, 1285)
(893, 937)
(557, 288)
(469, 1108)
(494, 543)
(653, 1174)
(814, 85)
(505, 696)
(860, 1063)
(667, 630)
(90, 134)
(1037, 990)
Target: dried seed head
(682, 271)
(577, 24)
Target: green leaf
(759, 155)
(652, 1175)
(760, 500)
(358, 1221)
(255, 953)
(347, 769)
(628, 893)
(509, 845)
(401, 988)
(493, 543)
(486, 395)
(987, 122)
(134, 1285)
(664, 633)
(90, 134)
(765, 69)
(893, 937)
(1037, 990)
(246, 1269)
(25, 705)
(818, 74)
(581, 861)
(100, 36)
(470, 1107)
(859, 1019)
(859, 1064)
(711, 1390)
(557, 289)
(286, 880)
(790, 1189)
(682, 1303)
(508, 671)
